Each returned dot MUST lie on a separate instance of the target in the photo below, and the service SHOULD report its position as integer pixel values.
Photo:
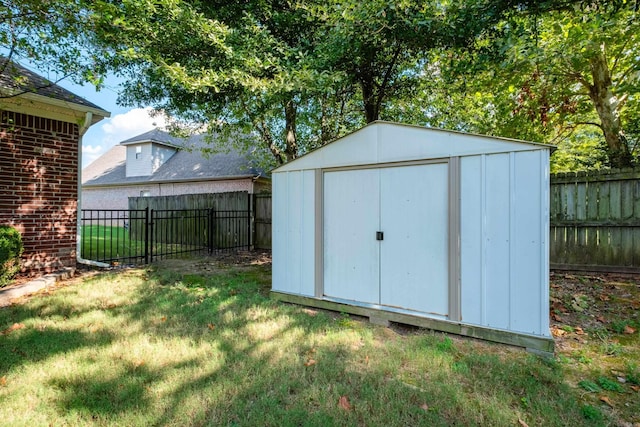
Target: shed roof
(187, 164)
(387, 142)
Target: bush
(10, 252)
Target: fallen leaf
(310, 362)
(138, 363)
(601, 319)
(12, 328)
(522, 423)
(556, 317)
(629, 330)
(603, 297)
(211, 326)
(606, 400)
(164, 318)
(3, 381)
(557, 332)
(424, 406)
(635, 388)
(344, 403)
(579, 330)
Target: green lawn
(100, 242)
(193, 343)
(113, 244)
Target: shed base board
(539, 345)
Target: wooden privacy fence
(595, 221)
(225, 206)
(262, 221)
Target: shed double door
(385, 236)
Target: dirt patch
(592, 302)
(595, 320)
(215, 263)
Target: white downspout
(83, 129)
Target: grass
(101, 242)
(174, 346)
(114, 244)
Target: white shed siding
(502, 230)
(293, 245)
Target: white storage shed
(421, 226)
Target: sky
(123, 124)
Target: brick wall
(38, 188)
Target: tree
(49, 35)
(290, 75)
(550, 76)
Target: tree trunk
(371, 110)
(606, 105)
(291, 139)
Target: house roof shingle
(157, 136)
(187, 164)
(20, 80)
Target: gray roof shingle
(156, 135)
(187, 164)
(19, 79)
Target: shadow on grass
(37, 342)
(260, 371)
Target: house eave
(152, 141)
(175, 181)
(51, 108)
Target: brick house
(158, 164)
(41, 128)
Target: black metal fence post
(146, 235)
(151, 235)
(249, 220)
(210, 233)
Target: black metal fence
(136, 236)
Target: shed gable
(384, 142)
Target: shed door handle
(379, 235)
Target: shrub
(10, 251)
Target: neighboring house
(41, 128)
(157, 164)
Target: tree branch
(387, 76)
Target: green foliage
(609, 385)
(277, 79)
(10, 252)
(51, 35)
(633, 373)
(589, 386)
(591, 413)
(566, 75)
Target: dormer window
(138, 152)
